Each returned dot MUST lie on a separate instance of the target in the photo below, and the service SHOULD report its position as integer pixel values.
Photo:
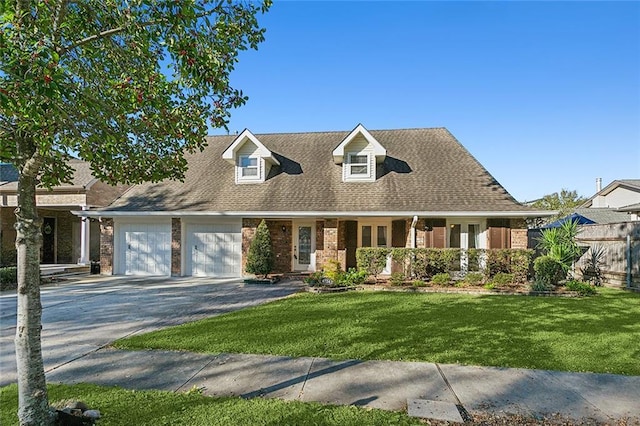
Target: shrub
(441, 279)
(541, 286)
(397, 279)
(473, 278)
(402, 258)
(510, 261)
(580, 287)
(498, 261)
(473, 259)
(260, 257)
(489, 286)
(353, 277)
(333, 271)
(313, 279)
(371, 260)
(548, 270)
(429, 261)
(502, 279)
(520, 263)
(8, 278)
(419, 283)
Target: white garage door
(145, 248)
(214, 249)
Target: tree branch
(113, 31)
(60, 9)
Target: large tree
(564, 201)
(129, 86)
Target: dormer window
(359, 165)
(248, 167)
(250, 157)
(359, 154)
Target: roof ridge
(336, 131)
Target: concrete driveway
(81, 316)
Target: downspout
(413, 231)
(629, 261)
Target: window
(382, 236)
(366, 236)
(358, 165)
(248, 167)
(473, 236)
(374, 235)
(454, 236)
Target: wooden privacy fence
(620, 243)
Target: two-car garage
(207, 248)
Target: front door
(49, 240)
(304, 247)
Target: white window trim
(256, 177)
(349, 164)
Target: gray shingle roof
(425, 170)
(630, 208)
(82, 176)
(603, 215)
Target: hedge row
(424, 263)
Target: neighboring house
(323, 195)
(622, 196)
(590, 216)
(66, 237)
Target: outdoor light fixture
(284, 229)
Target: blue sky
(546, 95)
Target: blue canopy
(575, 217)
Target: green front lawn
(597, 334)
(156, 408)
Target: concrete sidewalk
(429, 390)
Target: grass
(596, 334)
(127, 407)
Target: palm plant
(592, 269)
(560, 244)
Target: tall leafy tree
(129, 86)
(564, 201)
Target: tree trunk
(33, 405)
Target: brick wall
(281, 242)
(67, 247)
(330, 240)
(519, 239)
(106, 246)
(319, 244)
(8, 234)
(176, 246)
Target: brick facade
(8, 236)
(176, 246)
(519, 239)
(106, 246)
(281, 232)
(319, 244)
(281, 242)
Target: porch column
(330, 240)
(85, 235)
(106, 246)
(176, 246)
